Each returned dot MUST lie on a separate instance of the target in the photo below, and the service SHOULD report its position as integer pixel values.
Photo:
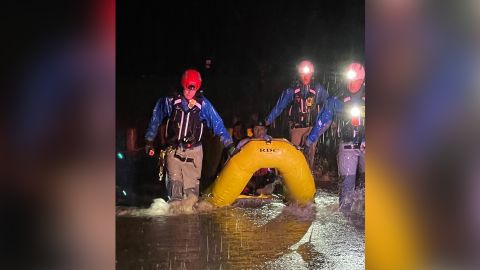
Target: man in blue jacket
(187, 114)
(304, 102)
(351, 111)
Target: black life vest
(185, 127)
(353, 127)
(303, 111)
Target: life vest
(353, 125)
(303, 110)
(185, 127)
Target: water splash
(301, 212)
(272, 236)
(160, 207)
(185, 206)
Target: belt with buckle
(351, 146)
(183, 159)
(300, 126)
(188, 145)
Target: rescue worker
(304, 102)
(263, 176)
(350, 108)
(187, 114)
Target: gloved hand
(149, 149)
(231, 150)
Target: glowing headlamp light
(306, 70)
(355, 112)
(351, 74)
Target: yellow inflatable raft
(256, 154)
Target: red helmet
(191, 79)
(356, 77)
(305, 70)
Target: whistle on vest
(191, 103)
(309, 102)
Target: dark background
(400, 36)
(254, 47)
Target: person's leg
(312, 150)
(175, 183)
(361, 169)
(296, 136)
(300, 138)
(347, 169)
(192, 171)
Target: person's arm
(322, 94)
(162, 109)
(282, 103)
(324, 119)
(215, 122)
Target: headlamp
(351, 74)
(355, 112)
(306, 70)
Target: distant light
(120, 155)
(351, 74)
(355, 112)
(306, 69)
(124, 193)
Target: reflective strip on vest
(166, 128)
(186, 125)
(181, 125)
(201, 132)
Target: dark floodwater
(270, 236)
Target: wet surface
(268, 236)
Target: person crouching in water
(264, 176)
(187, 114)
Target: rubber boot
(176, 191)
(347, 187)
(361, 181)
